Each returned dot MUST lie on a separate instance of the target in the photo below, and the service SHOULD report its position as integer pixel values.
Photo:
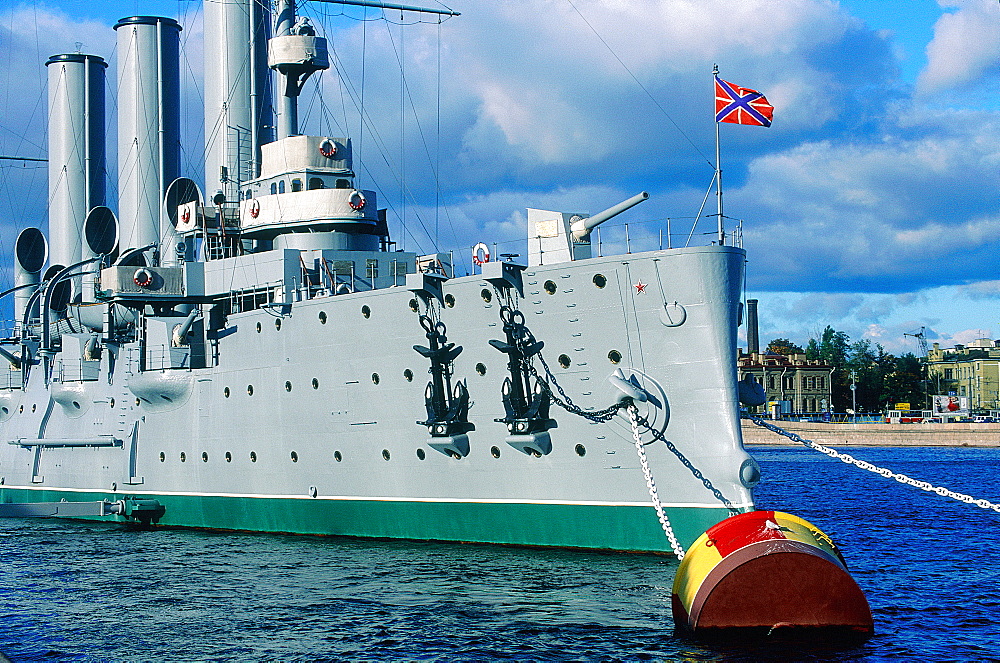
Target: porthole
(315, 383)
(76, 405)
(229, 457)
(486, 295)
(34, 405)
(322, 317)
(288, 385)
(449, 300)
(337, 456)
(614, 356)
(137, 401)
(481, 368)
(375, 378)
(253, 456)
(385, 454)
(20, 410)
(204, 456)
(408, 374)
(495, 452)
(112, 402)
(600, 280)
(277, 324)
(259, 327)
(249, 390)
(5, 410)
(421, 454)
(294, 456)
(366, 311)
(225, 392)
(413, 305)
(550, 287)
(163, 457)
(183, 456)
(581, 450)
(565, 361)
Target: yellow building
(971, 370)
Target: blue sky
(872, 204)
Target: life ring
(480, 248)
(142, 278)
(254, 208)
(357, 200)
(186, 215)
(328, 148)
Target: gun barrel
(582, 227)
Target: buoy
(768, 574)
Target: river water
(99, 592)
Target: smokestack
(148, 123)
(237, 92)
(753, 336)
(76, 149)
(30, 252)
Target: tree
(782, 346)
(832, 349)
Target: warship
(266, 360)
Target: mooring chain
(633, 415)
(687, 463)
(887, 473)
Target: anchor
(447, 406)
(525, 401)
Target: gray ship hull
(308, 422)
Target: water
(98, 592)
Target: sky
(871, 204)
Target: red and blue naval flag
(740, 105)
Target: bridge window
(296, 184)
(343, 184)
(274, 188)
(316, 183)
(281, 186)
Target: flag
(741, 105)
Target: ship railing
(610, 239)
(163, 357)
(11, 379)
(77, 370)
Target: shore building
(971, 370)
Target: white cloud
(966, 43)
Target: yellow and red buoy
(768, 573)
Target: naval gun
(555, 237)
(581, 226)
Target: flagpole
(718, 163)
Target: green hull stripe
(557, 525)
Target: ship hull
(305, 418)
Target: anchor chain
(633, 415)
(565, 402)
(525, 338)
(659, 437)
(885, 472)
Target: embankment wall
(878, 435)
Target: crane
(921, 340)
